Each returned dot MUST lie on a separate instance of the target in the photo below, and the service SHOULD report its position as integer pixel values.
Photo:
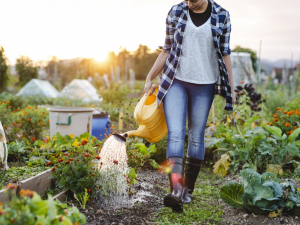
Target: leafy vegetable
(261, 194)
(231, 193)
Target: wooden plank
(3, 195)
(38, 183)
(62, 196)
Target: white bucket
(70, 120)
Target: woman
(196, 65)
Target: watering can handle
(143, 100)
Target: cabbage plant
(261, 194)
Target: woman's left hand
(233, 97)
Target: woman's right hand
(148, 86)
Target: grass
(204, 209)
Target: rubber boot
(192, 168)
(176, 184)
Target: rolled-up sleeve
(169, 40)
(225, 37)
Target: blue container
(100, 123)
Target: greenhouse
(80, 89)
(39, 87)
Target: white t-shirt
(198, 63)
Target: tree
(3, 71)
(252, 53)
(143, 61)
(26, 70)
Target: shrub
(255, 147)
(29, 123)
(287, 121)
(30, 209)
(115, 93)
(75, 169)
(138, 153)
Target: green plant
(292, 104)
(30, 209)
(261, 194)
(76, 169)
(26, 70)
(275, 99)
(15, 174)
(254, 147)
(138, 153)
(116, 92)
(131, 176)
(29, 123)
(161, 146)
(3, 71)
(16, 150)
(82, 198)
(33, 122)
(287, 121)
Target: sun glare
(101, 56)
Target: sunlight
(101, 56)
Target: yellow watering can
(151, 120)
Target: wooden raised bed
(3, 195)
(38, 183)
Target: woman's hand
(148, 86)
(233, 97)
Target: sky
(67, 29)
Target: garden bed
(150, 189)
(38, 183)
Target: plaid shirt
(175, 27)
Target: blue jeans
(191, 101)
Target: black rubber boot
(176, 184)
(192, 168)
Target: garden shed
(40, 88)
(80, 89)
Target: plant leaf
(294, 135)
(250, 178)
(262, 192)
(277, 190)
(267, 176)
(292, 149)
(231, 193)
(267, 205)
(274, 130)
(288, 184)
(274, 169)
(222, 166)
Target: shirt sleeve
(169, 39)
(225, 37)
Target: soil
(155, 183)
(150, 184)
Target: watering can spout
(141, 132)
